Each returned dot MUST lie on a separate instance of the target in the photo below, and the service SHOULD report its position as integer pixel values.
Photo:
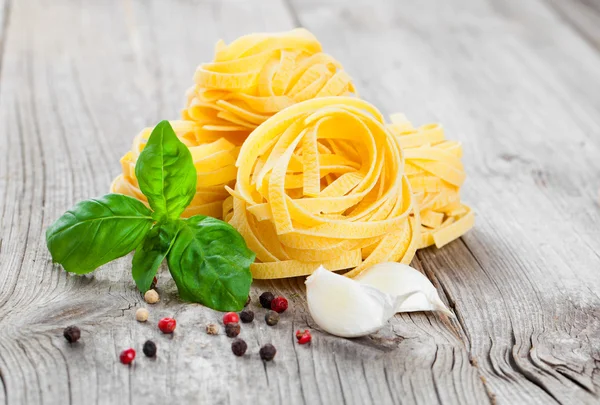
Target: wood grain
(519, 86)
(74, 91)
(583, 16)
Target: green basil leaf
(151, 252)
(210, 264)
(166, 173)
(97, 231)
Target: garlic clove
(343, 307)
(398, 279)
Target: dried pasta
(436, 173)
(258, 75)
(215, 166)
(322, 182)
(308, 174)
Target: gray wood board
(521, 89)
(512, 81)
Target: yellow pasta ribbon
(436, 173)
(214, 160)
(322, 182)
(257, 76)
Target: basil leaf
(151, 252)
(166, 173)
(96, 231)
(210, 264)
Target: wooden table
(517, 81)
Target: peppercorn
(267, 352)
(167, 325)
(212, 329)
(271, 318)
(230, 317)
(141, 314)
(247, 315)
(72, 334)
(303, 337)
(239, 347)
(127, 356)
(232, 329)
(151, 297)
(265, 299)
(149, 348)
(279, 304)
(248, 301)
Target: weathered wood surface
(516, 81)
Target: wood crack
(337, 370)
(435, 382)
(529, 376)
(4, 385)
(293, 337)
(68, 373)
(460, 320)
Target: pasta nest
(436, 173)
(322, 182)
(259, 75)
(214, 161)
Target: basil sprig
(207, 258)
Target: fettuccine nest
(436, 174)
(259, 75)
(322, 182)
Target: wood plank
(4, 13)
(79, 80)
(521, 90)
(583, 16)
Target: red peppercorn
(127, 356)
(299, 333)
(304, 338)
(279, 304)
(230, 317)
(167, 325)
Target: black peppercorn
(239, 347)
(72, 334)
(232, 329)
(265, 299)
(267, 352)
(247, 315)
(271, 318)
(248, 301)
(149, 348)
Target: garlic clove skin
(397, 279)
(343, 307)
